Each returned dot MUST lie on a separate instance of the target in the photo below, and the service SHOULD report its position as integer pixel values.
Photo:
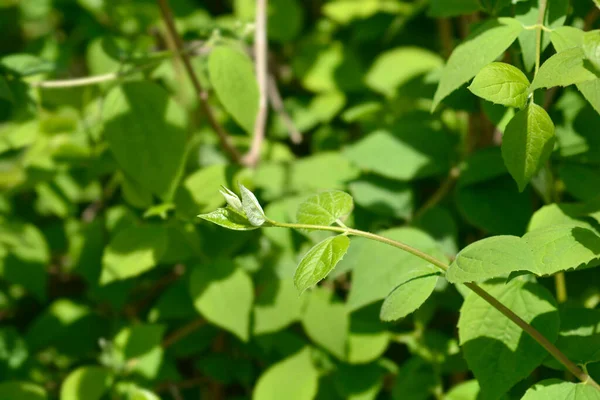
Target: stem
(260, 55)
(530, 330)
(277, 104)
(440, 193)
(202, 94)
(538, 34)
(561, 287)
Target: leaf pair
(240, 214)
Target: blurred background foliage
(111, 288)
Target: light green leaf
(487, 43)
(490, 258)
(324, 208)
(383, 196)
(527, 143)
(501, 83)
(409, 295)
(232, 200)
(252, 208)
(554, 389)
(326, 322)
(14, 390)
(395, 67)
(134, 250)
(563, 69)
(319, 261)
(23, 64)
(86, 383)
(138, 348)
(468, 390)
(368, 338)
(232, 77)
(277, 306)
(498, 352)
(146, 132)
(591, 48)
(227, 218)
(200, 190)
(294, 378)
(393, 267)
(562, 247)
(223, 294)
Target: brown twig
(440, 193)
(278, 106)
(260, 55)
(182, 332)
(224, 138)
(445, 34)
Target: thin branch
(202, 94)
(538, 35)
(529, 329)
(260, 55)
(445, 35)
(277, 104)
(182, 332)
(440, 193)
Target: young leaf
(562, 247)
(487, 42)
(223, 294)
(501, 83)
(324, 208)
(591, 48)
(409, 295)
(527, 143)
(563, 69)
(252, 207)
(232, 199)
(294, 378)
(227, 218)
(498, 352)
(554, 389)
(490, 258)
(94, 381)
(319, 261)
(232, 77)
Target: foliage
(419, 217)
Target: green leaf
(227, 218)
(223, 294)
(487, 43)
(409, 295)
(134, 250)
(294, 378)
(394, 68)
(591, 48)
(138, 349)
(326, 322)
(24, 65)
(232, 77)
(452, 8)
(368, 338)
(554, 389)
(562, 247)
(232, 200)
(498, 352)
(146, 132)
(579, 337)
(360, 382)
(563, 69)
(277, 306)
(14, 350)
(380, 268)
(501, 83)
(252, 208)
(467, 390)
(13, 390)
(86, 383)
(383, 196)
(527, 143)
(324, 208)
(319, 261)
(490, 258)
(415, 380)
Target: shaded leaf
(554, 389)
(409, 295)
(86, 383)
(13, 390)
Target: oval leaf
(487, 42)
(232, 77)
(498, 352)
(409, 295)
(527, 143)
(319, 261)
(252, 208)
(229, 219)
(563, 69)
(554, 389)
(324, 208)
(86, 383)
(501, 83)
(490, 258)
